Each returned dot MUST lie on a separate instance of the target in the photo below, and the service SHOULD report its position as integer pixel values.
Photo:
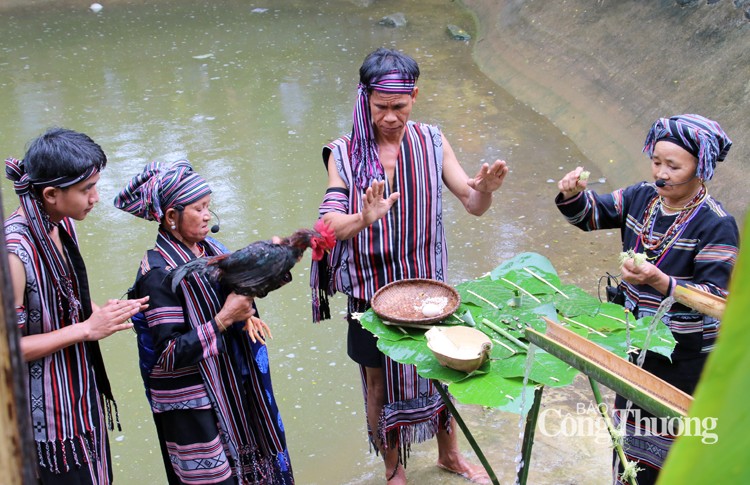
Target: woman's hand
(258, 330)
(645, 274)
(113, 317)
(236, 308)
(571, 185)
(103, 322)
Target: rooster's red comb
(326, 233)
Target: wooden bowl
(415, 301)
(460, 348)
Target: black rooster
(260, 267)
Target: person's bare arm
(103, 322)
(375, 206)
(474, 193)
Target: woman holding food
(674, 233)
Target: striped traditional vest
(409, 242)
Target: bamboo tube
(528, 436)
(701, 301)
(648, 391)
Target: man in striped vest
(384, 201)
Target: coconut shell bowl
(461, 348)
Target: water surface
(249, 92)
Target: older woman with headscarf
(688, 239)
(208, 381)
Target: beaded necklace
(201, 250)
(658, 246)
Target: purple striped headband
(22, 183)
(159, 187)
(698, 135)
(366, 165)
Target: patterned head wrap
(22, 183)
(160, 187)
(366, 164)
(700, 136)
(40, 226)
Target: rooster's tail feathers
(179, 273)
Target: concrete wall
(604, 70)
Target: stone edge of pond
(592, 69)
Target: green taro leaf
(495, 391)
(615, 342)
(484, 292)
(661, 341)
(613, 311)
(417, 353)
(407, 351)
(583, 324)
(534, 318)
(534, 261)
(530, 316)
(530, 283)
(463, 317)
(546, 369)
(600, 322)
(374, 324)
(573, 301)
(517, 270)
(498, 383)
(502, 349)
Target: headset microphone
(215, 228)
(661, 183)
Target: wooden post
(528, 436)
(16, 449)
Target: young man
(384, 201)
(60, 327)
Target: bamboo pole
(469, 437)
(699, 300)
(616, 442)
(16, 450)
(528, 436)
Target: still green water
(249, 92)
